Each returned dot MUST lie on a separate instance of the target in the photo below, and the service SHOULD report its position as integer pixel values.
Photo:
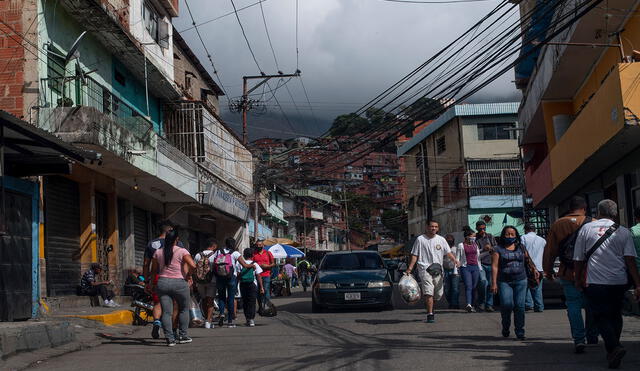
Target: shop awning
(30, 151)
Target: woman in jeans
(228, 285)
(469, 267)
(510, 278)
(174, 266)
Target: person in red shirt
(266, 261)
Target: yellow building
(580, 113)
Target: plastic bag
(409, 289)
(195, 314)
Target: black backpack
(568, 245)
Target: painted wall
(487, 149)
(161, 57)
(497, 220)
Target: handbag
(434, 269)
(530, 269)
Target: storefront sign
(225, 201)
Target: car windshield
(352, 262)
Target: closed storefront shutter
(62, 235)
(141, 233)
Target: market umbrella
(282, 241)
(280, 251)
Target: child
(247, 278)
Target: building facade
(464, 167)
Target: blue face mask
(509, 241)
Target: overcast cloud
(350, 50)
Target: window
(150, 20)
(496, 131)
(441, 145)
(55, 68)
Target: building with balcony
(580, 112)
(464, 167)
(113, 77)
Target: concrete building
(464, 167)
(580, 112)
(113, 78)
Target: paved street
(358, 340)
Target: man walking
(582, 330)
(535, 246)
(486, 242)
(266, 261)
(207, 285)
(429, 251)
(451, 274)
(606, 252)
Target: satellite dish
(74, 48)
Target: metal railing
(494, 177)
(86, 92)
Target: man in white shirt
(604, 253)
(429, 251)
(535, 246)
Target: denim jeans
(452, 287)
(534, 298)
(512, 297)
(266, 283)
(485, 296)
(170, 289)
(227, 287)
(574, 300)
(605, 303)
(470, 276)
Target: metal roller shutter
(62, 234)
(140, 233)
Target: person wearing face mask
(452, 274)
(469, 267)
(266, 261)
(485, 242)
(510, 277)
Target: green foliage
(348, 124)
(424, 109)
(395, 221)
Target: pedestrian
(451, 274)
(207, 285)
(266, 261)
(486, 242)
(509, 277)
(173, 265)
(226, 266)
(429, 251)
(562, 234)
(604, 257)
(469, 267)
(152, 281)
(535, 246)
(90, 286)
(635, 232)
(303, 270)
(250, 285)
(290, 271)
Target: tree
(424, 109)
(396, 222)
(348, 124)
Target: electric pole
(346, 210)
(245, 105)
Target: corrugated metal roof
(483, 109)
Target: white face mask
(472, 239)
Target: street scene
(319, 184)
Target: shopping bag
(409, 289)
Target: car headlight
(378, 284)
(326, 285)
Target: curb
(119, 317)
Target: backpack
(203, 268)
(224, 265)
(568, 245)
(247, 275)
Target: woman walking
(510, 278)
(174, 266)
(469, 268)
(226, 270)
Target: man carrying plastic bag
(429, 251)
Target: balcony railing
(64, 92)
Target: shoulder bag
(530, 269)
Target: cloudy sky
(349, 51)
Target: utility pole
(346, 218)
(245, 105)
(428, 207)
(304, 228)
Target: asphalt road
(357, 340)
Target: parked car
(352, 279)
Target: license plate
(352, 296)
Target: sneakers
(155, 332)
(579, 348)
(221, 322)
(431, 318)
(231, 325)
(207, 325)
(184, 340)
(489, 309)
(109, 304)
(470, 308)
(615, 357)
(171, 343)
(505, 333)
(252, 323)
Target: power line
(244, 34)
(222, 16)
(435, 2)
(266, 30)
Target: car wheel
(315, 307)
